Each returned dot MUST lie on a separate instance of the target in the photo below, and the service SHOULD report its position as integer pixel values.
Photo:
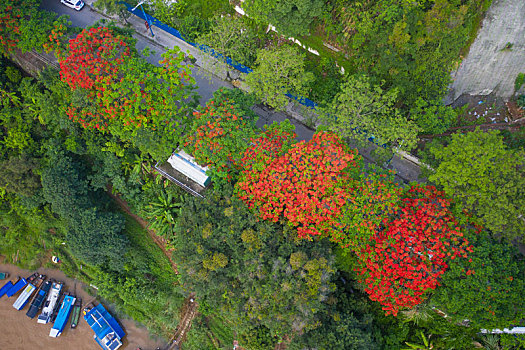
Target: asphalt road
(205, 85)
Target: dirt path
(190, 306)
(18, 332)
(161, 243)
(188, 312)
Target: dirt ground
(19, 332)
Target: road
(406, 170)
(206, 85)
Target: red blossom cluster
(92, 63)
(93, 59)
(409, 255)
(307, 185)
(9, 25)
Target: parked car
(3, 275)
(74, 4)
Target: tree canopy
(487, 178)
(362, 110)
(290, 17)
(279, 71)
(253, 272)
(487, 288)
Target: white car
(74, 4)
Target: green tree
(64, 186)
(20, 175)
(231, 37)
(251, 271)
(480, 172)
(290, 17)
(163, 213)
(362, 110)
(487, 288)
(348, 326)
(278, 71)
(432, 117)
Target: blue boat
(18, 286)
(108, 333)
(62, 316)
(39, 299)
(8, 285)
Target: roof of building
(107, 330)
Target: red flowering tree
(308, 185)
(12, 12)
(410, 254)
(125, 95)
(91, 64)
(93, 59)
(219, 136)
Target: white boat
(50, 304)
(23, 298)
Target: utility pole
(148, 23)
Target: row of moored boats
(48, 298)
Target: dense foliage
(480, 172)
(290, 17)
(251, 271)
(486, 290)
(240, 249)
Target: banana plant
(427, 345)
(163, 212)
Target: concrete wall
(489, 67)
(33, 62)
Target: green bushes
(520, 79)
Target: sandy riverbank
(19, 332)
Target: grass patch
(520, 79)
(207, 8)
(141, 239)
(221, 331)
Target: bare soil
(19, 332)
